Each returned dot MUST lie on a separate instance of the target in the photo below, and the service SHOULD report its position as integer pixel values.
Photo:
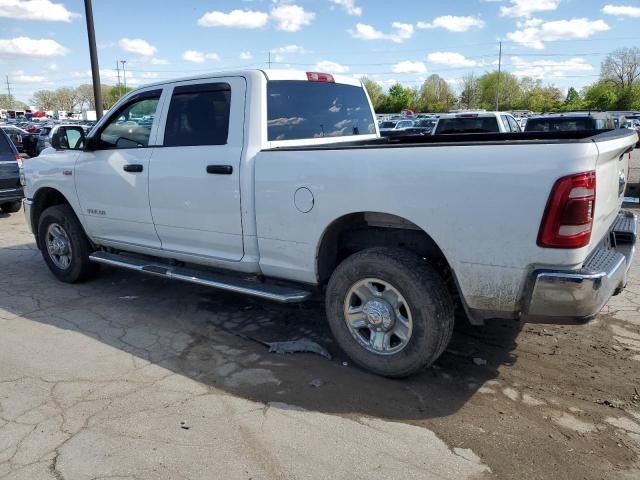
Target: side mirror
(68, 138)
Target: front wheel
(64, 245)
(389, 311)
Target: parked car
(10, 187)
(570, 121)
(250, 172)
(422, 126)
(398, 126)
(476, 122)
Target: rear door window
(198, 115)
(302, 110)
(513, 125)
(468, 125)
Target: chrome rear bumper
(580, 295)
(26, 207)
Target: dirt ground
(119, 378)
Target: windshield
(302, 109)
(468, 125)
(387, 124)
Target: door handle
(132, 167)
(220, 169)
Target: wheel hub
(379, 315)
(60, 246)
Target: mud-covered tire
(424, 293)
(80, 268)
(11, 207)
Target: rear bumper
(11, 194)
(580, 295)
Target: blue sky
(43, 43)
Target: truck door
(194, 179)
(112, 176)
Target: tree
(114, 94)
(11, 103)
(509, 87)
(399, 98)
(435, 95)
(376, 94)
(600, 96)
(44, 99)
(621, 67)
(470, 95)
(572, 96)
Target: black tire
(425, 294)
(80, 267)
(12, 207)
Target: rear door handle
(220, 169)
(133, 167)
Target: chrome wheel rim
(58, 246)
(378, 316)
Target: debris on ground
(316, 382)
(184, 426)
(295, 346)
(479, 361)
(129, 297)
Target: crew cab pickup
(277, 184)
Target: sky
(43, 43)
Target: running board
(275, 293)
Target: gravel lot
(130, 377)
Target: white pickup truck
(277, 184)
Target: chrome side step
(275, 293)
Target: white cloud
(453, 23)
(451, 59)
(137, 46)
(52, 67)
(544, 69)
(349, 6)
(235, 18)
(150, 75)
(281, 52)
(109, 74)
(535, 32)
(291, 18)
(43, 10)
(245, 56)
(330, 67)
(408, 66)
(403, 31)
(159, 61)
(30, 47)
(525, 8)
(20, 77)
(621, 10)
(199, 57)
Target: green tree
(510, 91)
(435, 95)
(572, 96)
(601, 96)
(398, 98)
(376, 94)
(115, 93)
(11, 102)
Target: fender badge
(67, 173)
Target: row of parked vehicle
(499, 122)
(31, 137)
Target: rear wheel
(11, 207)
(389, 311)
(64, 245)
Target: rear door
(194, 178)
(9, 175)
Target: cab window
(130, 127)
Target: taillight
(568, 218)
(320, 77)
(19, 160)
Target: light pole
(124, 74)
(93, 53)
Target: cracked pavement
(133, 377)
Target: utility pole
(93, 53)
(124, 74)
(269, 61)
(9, 93)
(499, 75)
(118, 70)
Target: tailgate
(612, 171)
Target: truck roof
(269, 74)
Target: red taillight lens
(19, 160)
(320, 77)
(568, 218)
